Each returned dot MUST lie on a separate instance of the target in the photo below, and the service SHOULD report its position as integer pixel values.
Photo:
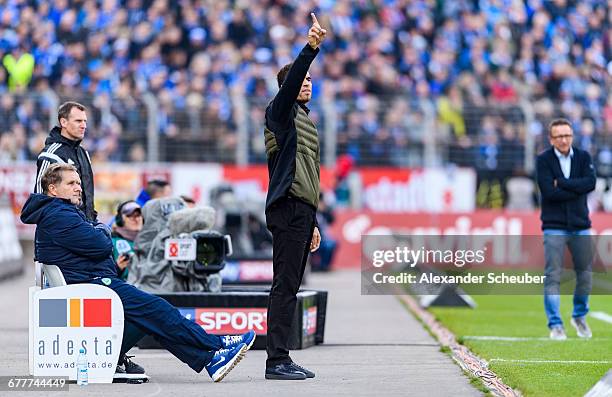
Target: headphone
(118, 216)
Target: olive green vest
(305, 184)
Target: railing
(497, 140)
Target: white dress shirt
(565, 162)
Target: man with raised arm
(292, 148)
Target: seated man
(83, 251)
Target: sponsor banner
(413, 190)
(247, 271)
(195, 180)
(64, 320)
(224, 321)
(17, 182)
(248, 182)
(251, 182)
(350, 226)
(382, 189)
(114, 184)
(230, 272)
(309, 321)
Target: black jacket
(64, 237)
(59, 149)
(565, 206)
(280, 116)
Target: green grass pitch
(534, 365)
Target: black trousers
(291, 223)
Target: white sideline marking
(521, 339)
(603, 387)
(602, 316)
(552, 361)
(503, 338)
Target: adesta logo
(75, 312)
(232, 321)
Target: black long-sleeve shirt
(292, 171)
(59, 149)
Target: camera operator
(128, 222)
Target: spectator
(19, 64)
(470, 58)
(156, 188)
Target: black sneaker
(131, 367)
(284, 372)
(121, 376)
(307, 372)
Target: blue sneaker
(230, 341)
(224, 361)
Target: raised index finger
(314, 19)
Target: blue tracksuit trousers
(154, 316)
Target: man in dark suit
(565, 176)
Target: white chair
(48, 276)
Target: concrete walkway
(373, 346)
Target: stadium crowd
(388, 66)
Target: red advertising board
(309, 321)
(258, 174)
(225, 321)
(16, 183)
(381, 189)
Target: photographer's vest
(305, 185)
